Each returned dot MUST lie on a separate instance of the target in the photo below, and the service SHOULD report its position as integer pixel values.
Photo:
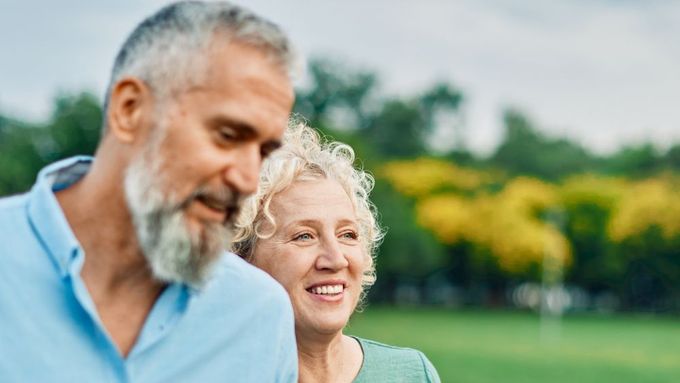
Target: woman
(312, 228)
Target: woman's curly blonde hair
(306, 156)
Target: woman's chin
(325, 324)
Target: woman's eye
(303, 237)
(349, 235)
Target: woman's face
(315, 254)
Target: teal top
(384, 363)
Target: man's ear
(129, 103)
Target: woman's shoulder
(383, 362)
(383, 350)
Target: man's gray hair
(167, 49)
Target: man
(113, 269)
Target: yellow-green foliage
(506, 224)
(422, 176)
(645, 204)
(592, 189)
(453, 203)
(591, 192)
(450, 217)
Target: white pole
(552, 286)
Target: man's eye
(228, 134)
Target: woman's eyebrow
(303, 222)
(348, 221)
(315, 222)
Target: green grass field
(508, 347)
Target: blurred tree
(650, 281)
(408, 252)
(509, 226)
(589, 201)
(425, 176)
(637, 161)
(525, 151)
(441, 113)
(342, 99)
(645, 229)
(397, 130)
(672, 158)
(336, 95)
(403, 127)
(19, 158)
(25, 148)
(75, 125)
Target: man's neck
(115, 270)
(99, 218)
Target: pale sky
(605, 73)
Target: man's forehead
(234, 49)
(232, 60)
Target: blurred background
(526, 155)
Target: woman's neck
(329, 358)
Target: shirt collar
(45, 214)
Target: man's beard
(173, 252)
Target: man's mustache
(223, 199)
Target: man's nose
(244, 172)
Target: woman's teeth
(326, 290)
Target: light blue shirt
(238, 328)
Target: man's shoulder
(12, 210)
(13, 202)
(243, 296)
(236, 268)
(234, 275)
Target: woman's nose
(332, 257)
